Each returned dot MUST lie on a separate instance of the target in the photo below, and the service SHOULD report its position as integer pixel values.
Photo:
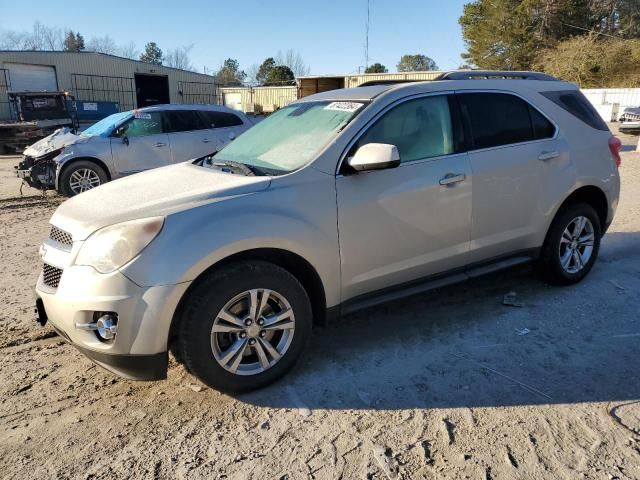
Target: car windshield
(105, 126)
(291, 137)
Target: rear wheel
(244, 326)
(81, 176)
(572, 245)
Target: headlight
(111, 247)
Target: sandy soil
(439, 386)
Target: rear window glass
(497, 119)
(220, 119)
(577, 105)
(184, 120)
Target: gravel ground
(443, 385)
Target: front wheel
(572, 245)
(81, 176)
(244, 326)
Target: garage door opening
(151, 90)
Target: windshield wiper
(249, 170)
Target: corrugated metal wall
(355, 80)
(259, 99)
(90, 63)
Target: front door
(401, 224)
(141, 144)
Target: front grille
(51, 275)
(60, 236)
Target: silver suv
(339, 201)
(129, 142)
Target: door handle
(206, 140)
(451, 178)
(160, 144)
(548, 155)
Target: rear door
(141, 143)
(224, 127)
(514, 151)
(188, 135)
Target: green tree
(510, 34)
(280, 75)
(73, 42)
(152, 54)
(376, 68)
(416, 63)
(264, 69)
(230, 73)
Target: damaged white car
(126, 143)
(630, 120)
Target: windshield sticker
(343, 106)
(145, 116)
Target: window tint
(576, 104)
(542, 128)
(497, 119)
(144, 123)
(220, 119)
(420, 129)
(184, 120)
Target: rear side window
(184, 121)
(420, 128)
(220, 119)
(498, 119)
(576, 104)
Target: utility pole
(366, 40)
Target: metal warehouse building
(99, 77)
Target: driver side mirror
(375, 156)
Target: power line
(591, 31)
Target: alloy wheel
(252, 331)
(576, 245)
(83, 179)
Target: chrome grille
(60, 236)
(51, 275)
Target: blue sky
(328, 34)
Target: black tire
(210, 295)
(64, 184)
(550, 258)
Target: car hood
(158, 192)
(57, 140)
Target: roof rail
(394, 81)
(495, 74)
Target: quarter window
(419, 128)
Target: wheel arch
(70, 162)
(591, 195)
(298, 266)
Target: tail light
(615, 145)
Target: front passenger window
(144, 123)
(420, 128)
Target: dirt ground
(449, 385)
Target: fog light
(107, 325)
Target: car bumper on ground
(138, 351)
(630, 127)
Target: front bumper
(139, 349)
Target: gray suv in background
(339, 201)
(129, 142)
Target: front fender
(299, 220)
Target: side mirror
(375, 156)
(125, 139)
